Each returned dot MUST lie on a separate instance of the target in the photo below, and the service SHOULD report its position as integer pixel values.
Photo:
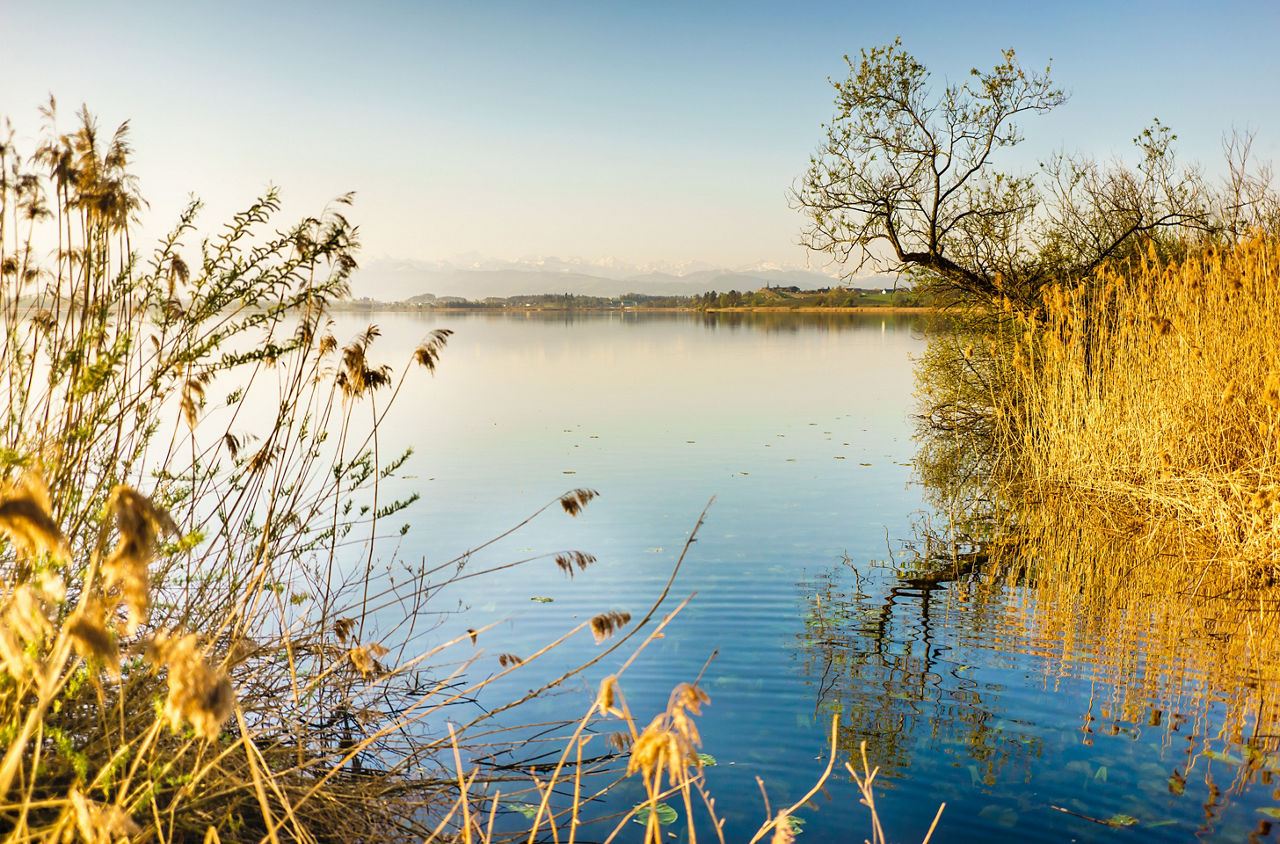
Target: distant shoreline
(765, 309)
(855, 309)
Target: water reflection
(779, 320)
(1062, 677)
(1011, 695)
(886, 647)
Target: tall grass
(1154, 393)
(1119, 445)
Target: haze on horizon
(658, 135)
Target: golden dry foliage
(1155, 394)
(575, 499)
(90, 638)
(24, 623)
(670, 742)
(609, 699)
(139, 524)
(1143, 430)
(198, 694)
(365, 659)
(25, 518)
(100, 823)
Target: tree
(905, 180)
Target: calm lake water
(800, 428)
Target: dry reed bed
(1154, 393)
(1134, 424)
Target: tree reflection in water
(916, 657)
(871, 649)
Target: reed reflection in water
(1053, 683)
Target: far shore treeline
(766, 298)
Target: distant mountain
(389, 280)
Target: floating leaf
(1121, 820)
(542, 599)
(1270, 811)
(665, 814)
(706, 760)
(797, 824)
(1101, 773)
(525, 809)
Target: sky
(642, 133)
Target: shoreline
(756, 309)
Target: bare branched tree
(905, 181)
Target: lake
(1016, 715)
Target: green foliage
(663, 812)
(907, 171)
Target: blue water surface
(799, 426)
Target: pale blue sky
(648, 132)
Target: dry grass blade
(604, 624)
(25, 518)
(567, 561)
(575, 500)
